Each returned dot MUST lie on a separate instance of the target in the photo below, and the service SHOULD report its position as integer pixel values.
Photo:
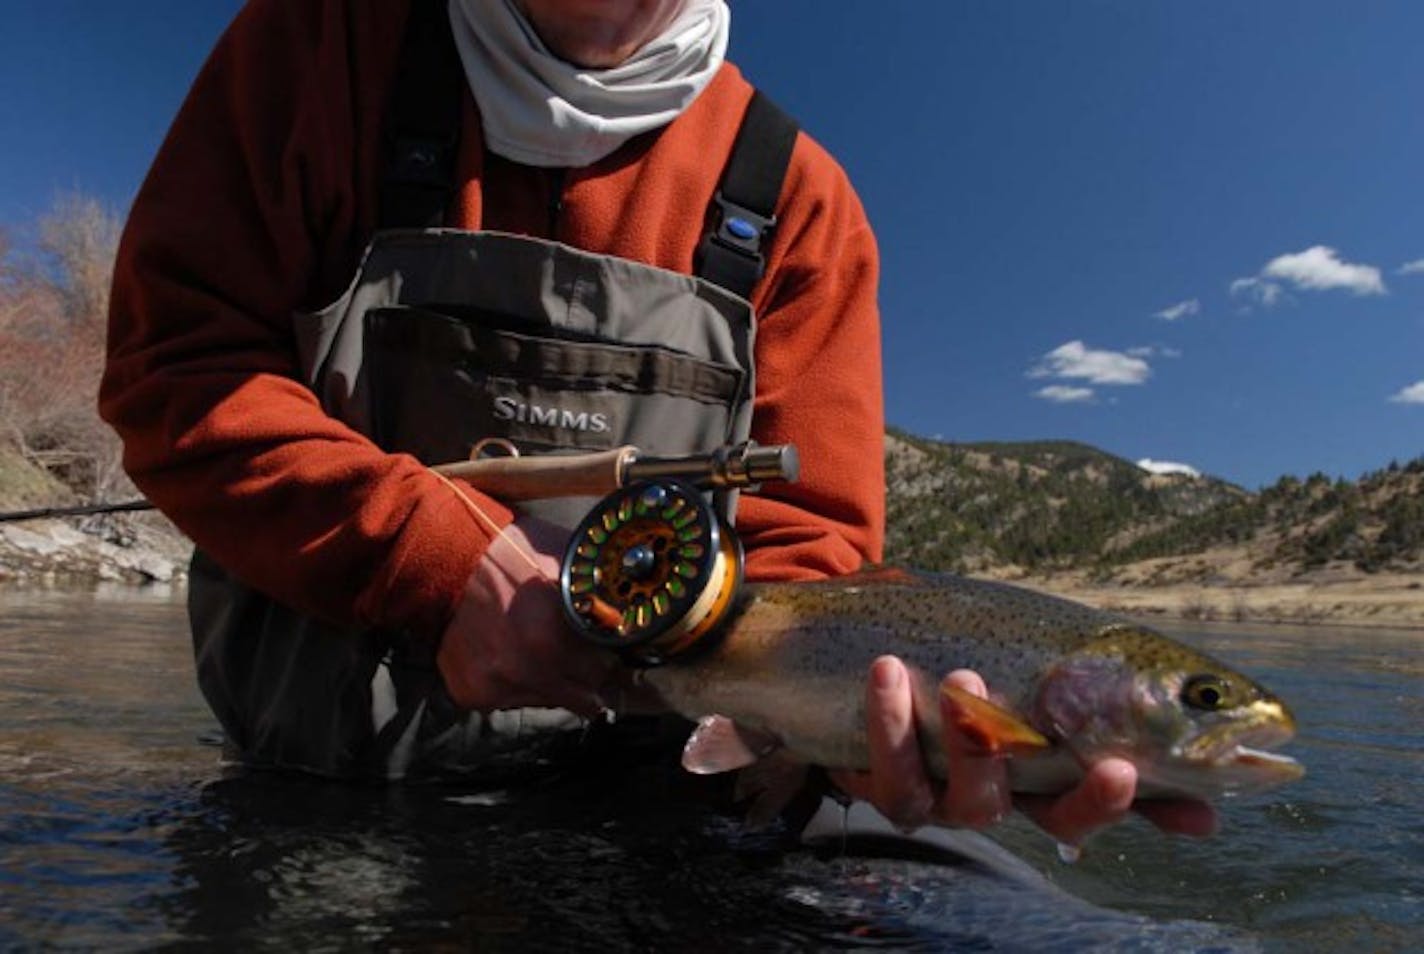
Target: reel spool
(650, 571)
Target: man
(283, 423)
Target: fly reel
(650, 571)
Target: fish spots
(795, 660)
(1148, 650)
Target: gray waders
(443, 339)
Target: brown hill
(1075, 520)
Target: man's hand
(978, 792)
(508, 644)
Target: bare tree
(81, 236)
(53, 313)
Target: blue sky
(1180, 231)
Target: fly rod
(514, 478)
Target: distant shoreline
(1384, 600)
(145, 549)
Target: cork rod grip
(537, 478)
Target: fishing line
(493, 527)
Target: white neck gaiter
(541, 111)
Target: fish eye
(1206, 692)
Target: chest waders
(447, 337)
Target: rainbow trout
(1069, 685)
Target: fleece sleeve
(819, 383)
(255, 208)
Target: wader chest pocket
(442, 380)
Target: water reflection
(118, 830)
(572, 864)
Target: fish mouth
(1236, 742)
(1265, 724)
(1243, 770)
(1262, 762)
(1240, 754)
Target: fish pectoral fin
(990, 727)
(720, 745)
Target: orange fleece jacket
(259, 204)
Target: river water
(119, 831)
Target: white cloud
(1411, 268)
(1064, 394)
(1076, 360)
(1154, 351)
(1167, 467)
(1262, 293)
(1181, 309)
(1319, 268)
(1413, 394)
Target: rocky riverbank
(121, 548)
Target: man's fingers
(901, 789)
(587, 667)
(858, 785)
(978, 791)
(1103, 797)
(1180, 816)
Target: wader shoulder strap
(743, 213)
(422, 122)
(422, 138)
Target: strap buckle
(741, 230)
